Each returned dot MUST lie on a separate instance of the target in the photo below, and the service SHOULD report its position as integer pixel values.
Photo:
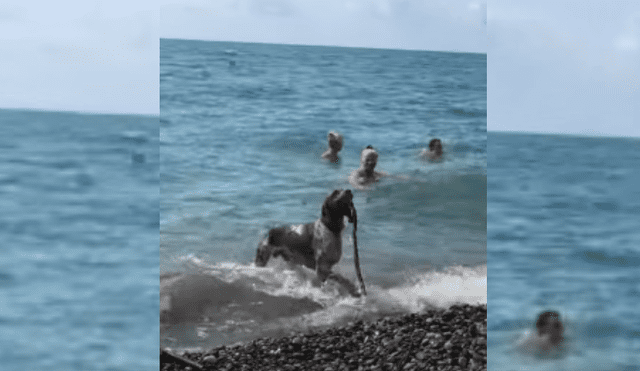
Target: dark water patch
(138, 158)
(249, 93)
(97, 265)
(6, 280)
(467, 113)
(506, 236)
(576, 205)
(8, 146)
(26, 226)
(166, 75)
(199, 199)
(614, 177)
(84, 180)
(65, 164)
(462, 147)
(115, 325)
(606, 258)
(577, 177)
(606, 206)
(134, 137)
(495, 187)
(9, 180)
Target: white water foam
(422, 290)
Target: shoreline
(436, 339)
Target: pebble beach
(437, 339)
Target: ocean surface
(79, 252)
(242, 130)
(563, 218)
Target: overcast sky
(85, 56)
(452, 25)
(564, 67)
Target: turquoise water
(242, 128)
(563, 235)
(79, 231)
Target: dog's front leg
(323, 271)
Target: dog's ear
(325, 209)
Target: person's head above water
(335, 145)
(548, 324)
(335, 141)
(368, 158)
(365, 174)
(435, 146)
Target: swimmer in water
(365, 174)
(435, 150)
(335, 145)
(548, 336)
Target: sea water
(563, 218)
(79, 241)
(242, 130)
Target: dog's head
(339, 204)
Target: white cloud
(628, 39)
(473, 6)
(626, 43)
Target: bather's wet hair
(435, 143)
(545, 317)
(336, 137)
(366, 151)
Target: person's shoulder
(358, 181)
(354, 177)
(330, 156)
(528, 341)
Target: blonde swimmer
(366, 175)
(335, 141)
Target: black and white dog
(316, 245)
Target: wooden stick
(356, 259)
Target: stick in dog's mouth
(353, 217)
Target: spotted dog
(317, 245)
